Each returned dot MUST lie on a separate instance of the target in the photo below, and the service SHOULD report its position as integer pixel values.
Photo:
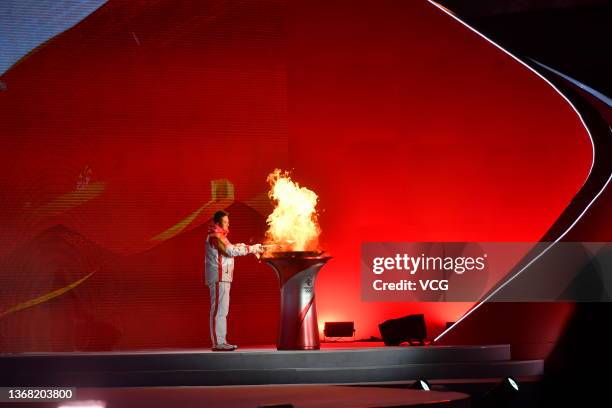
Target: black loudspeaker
(409, 328)
(339, 329)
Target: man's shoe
(233, 345)
(223, 347)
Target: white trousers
(219, 306)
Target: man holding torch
(219, 271)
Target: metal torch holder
(298, 326)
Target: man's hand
(257, 249)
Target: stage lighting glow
(420, 385)
(513, 383)
(504, 394)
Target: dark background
(571, 36)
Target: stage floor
(335, 363)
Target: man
(219, 271)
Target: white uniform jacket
(219, 258)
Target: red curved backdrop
(121, 136)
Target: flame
(293, 225)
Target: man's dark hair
(218, 215)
